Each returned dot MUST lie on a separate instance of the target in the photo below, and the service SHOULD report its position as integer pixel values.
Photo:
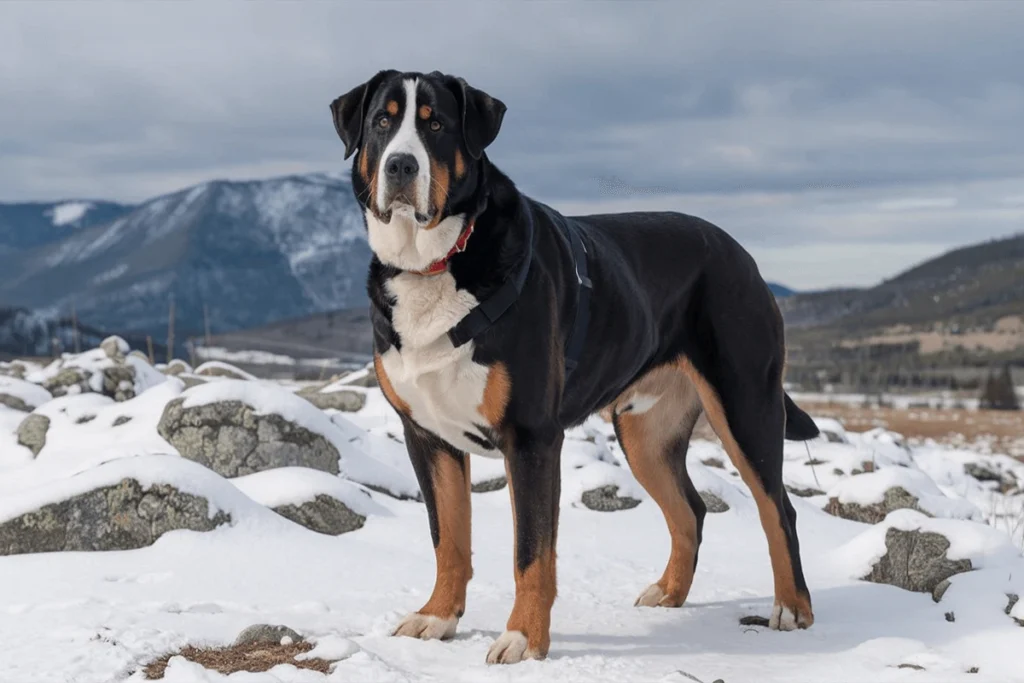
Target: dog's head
(421, 139)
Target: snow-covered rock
(109, 508)
(335, 397)
(217, 368)
(22, 395)
(238, 436)
(107, 370)
(870, 497)
(316, 500)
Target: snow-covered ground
(99, 616)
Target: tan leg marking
(389, 391)
(786, 594)
(496, 394)
(528, 630)
(440, 615)
(647, 439)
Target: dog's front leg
(534, 482)
(443, 474)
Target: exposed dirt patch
(253, 657)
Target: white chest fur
(445, 391)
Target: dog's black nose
(401, 169)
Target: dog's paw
(790, 618)
(426, 627)
(655, 596)
(511, 648)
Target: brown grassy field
(997, 431)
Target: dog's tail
(799, 425)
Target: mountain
(250, 252)
(940, 325)
(33, 224)
(968, 287)
(780, 290)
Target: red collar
(440, 265)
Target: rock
(804, 493)
(15, 403)
(135, 353)
(68, 381)
(754, 620)
(940, 590)
(266, 634)
(115, 348)
(119, 382)
(120, 420)
(32, 432)
(713, 502)
(915, 561)
(488, 485)
(177, 367)
(14, 369)
(366, 378)
(123, 516)
(85, 419)
(1006, 482)
(232, 440)
(895, 498)
(191, 380)
(344, 400)
(606, 499)
(218, 369)
(324, 514)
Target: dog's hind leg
(653, 421)
(443, 474)
(749, 417)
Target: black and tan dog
(498, 323)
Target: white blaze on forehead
(407, 140)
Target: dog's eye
(383, 122)
(435, 125)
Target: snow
(69, 212)
(97, 617)
(32, 395)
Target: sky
(839, 142)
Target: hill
(250, 252)
(941, 323)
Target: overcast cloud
(839, 141)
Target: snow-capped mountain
(32, 224)
(252, 252)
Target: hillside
(250, 252)
(967, 287)
(941, 324)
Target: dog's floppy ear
(481, 116)
(349, 111)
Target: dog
(498, 323)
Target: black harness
(487, 312)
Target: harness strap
(493, 307)
(574, 348)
